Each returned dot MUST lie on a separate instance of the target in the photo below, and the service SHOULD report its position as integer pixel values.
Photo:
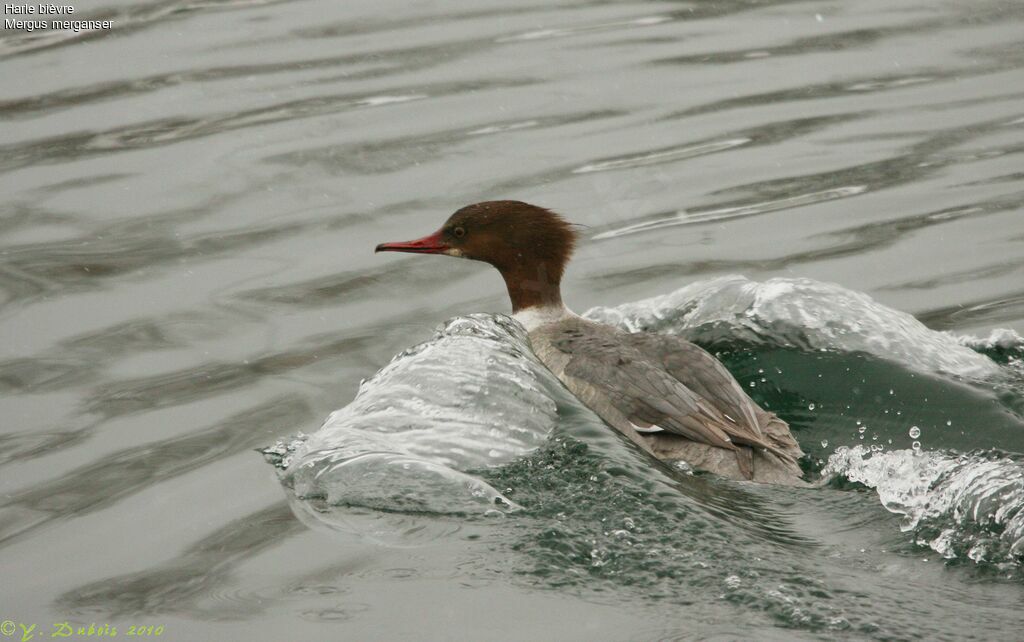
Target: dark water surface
(190, 203)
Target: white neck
(535, 316)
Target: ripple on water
(723, 213)
(251, 133)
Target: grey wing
(640, 389)
(698, 370)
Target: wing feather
(700, 371)
(641, 390)
(664, 381)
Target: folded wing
(658, 384)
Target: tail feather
(745, 460)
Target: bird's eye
(459, 232)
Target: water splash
(440, 429)
(799, 313)
(1002, 345)
(470, 398)
(964, 507)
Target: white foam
(801, 313)
(471, 397)
(968, 505)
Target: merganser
(668, 396)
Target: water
(186, 272)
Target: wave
(470, 398)
(800, 313)
(962, 506)
(1002, 345)
(427, 432)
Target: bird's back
(670, 397)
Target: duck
(670, 397)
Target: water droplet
(824, 443)
(916, 446)
(949, 422)
(861, 429)
(752, 384)
(914, 432)
(810, 406)
(891, 392)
